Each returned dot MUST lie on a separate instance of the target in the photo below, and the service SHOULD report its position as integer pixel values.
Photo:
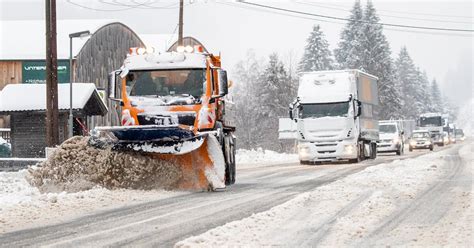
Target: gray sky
(224, 27)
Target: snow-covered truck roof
(314, 86)
(166, 60)
(428, 115)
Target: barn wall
(104, 52)
(10, 73)
(28, 133)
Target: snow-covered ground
(23, 206)
(354, 211)
(260, 157)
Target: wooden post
(52, 125)
(180, 31)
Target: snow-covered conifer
(317, 55)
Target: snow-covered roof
(32, 97)
(26, 39)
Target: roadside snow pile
(342, 213)
(465, 118)
(263, 156)
(76, 166)
(24, 206)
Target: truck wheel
(431, 148)
(229, 155)
(400, 151)
(233, 163)
(373, 150)
(410, 149)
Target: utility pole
(52, 127)
(180, 31)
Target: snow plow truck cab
(172, 107)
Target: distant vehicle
(459, 134)
(432, 122)
(5, 148)
(421, 139)
(391, 138)
(336, 116)
(445, 138)
(452, 133)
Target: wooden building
(25, 105)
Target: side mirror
(290, 112)
(223, 83)
(359, 108)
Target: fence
(5, 134)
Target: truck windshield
(166, 82)
(431, 121)
(388, 129)
(324, 109)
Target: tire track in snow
(426, 209)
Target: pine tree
(348, 52)
(275, 91)
(426, 92)
(317, 55)
(410, 85)
(436, 100)
(376, 59)
(247, 76)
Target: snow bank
(24, 206)
(261, 156)
(334, 215)
(465, 118)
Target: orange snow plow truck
(172, 108)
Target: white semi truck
(433, 122)
(336, 115)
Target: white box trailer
(336, 115)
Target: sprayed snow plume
(76, 166)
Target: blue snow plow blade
(154, 139)
(145, 133)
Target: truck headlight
(303, 150)
(395, 140)
(349, 149)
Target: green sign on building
(34, 72)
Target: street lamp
(71, 78)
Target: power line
(145, 5)
(392, 16)
(410, 13)
(347, 19)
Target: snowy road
(167, 221)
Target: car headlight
(412, 143)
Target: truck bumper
(388, 147)
(327, 151)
